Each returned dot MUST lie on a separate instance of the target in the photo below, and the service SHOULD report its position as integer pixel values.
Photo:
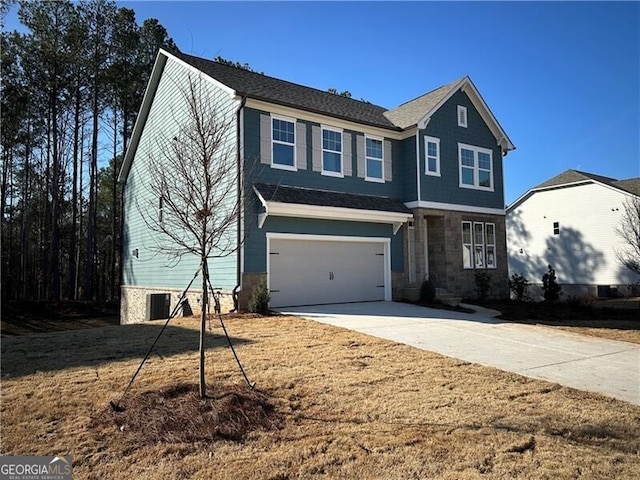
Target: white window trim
(367, 177)
(476, 167)
(462, 116)
(471, 259)
(484, 243)
(426, 156)
(331, 173)
(479, 243)
(294, 167)
(487, 245)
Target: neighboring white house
(570, 222)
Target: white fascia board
(261, 216)
(422, 123)
(455, 207)
(327, 120)
(193, 69)
(487, 115)
(280, 209)
(325, 238)
(589, 181)
(467, 86)
(147, 100)
(141, 119)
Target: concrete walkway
(579, 361)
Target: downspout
(238, 286)
(418, 161)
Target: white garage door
(313, 270)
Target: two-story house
(571, 222)
(346, 201)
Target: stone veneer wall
(397, 285)
(249, 282)
(445, 252)
(133, 302)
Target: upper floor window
(432, 156)
(332, 152)
(284, 143)
(476, 167)
(374, 159)
(462, 116)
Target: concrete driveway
(579, 361)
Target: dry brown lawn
(352, 407)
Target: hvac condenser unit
(157, 306)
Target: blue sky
(562, 78)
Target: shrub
(519, 286)
(483, 285)
(260, 297)
(428, 291)
(550, 288)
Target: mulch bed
(178, 414)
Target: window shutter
(388, 174)
(347, 159)
(265, 139)
(316, 148)
(360, 154)
(301, 145)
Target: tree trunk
(73, 241)
(54, 248)
(90, 267)
(24, 233)
(114, 209)
(203, 321)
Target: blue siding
(309, 178)
(407, 174)
(168, 112)
(444, 125)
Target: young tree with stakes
(195, 177)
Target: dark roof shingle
(262, 87)
(324, 198)
(573, 176)
(631, 185)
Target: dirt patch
(178, 414)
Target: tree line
(72, 84)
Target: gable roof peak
(418, 112)
(573, 176)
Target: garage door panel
(306, 272)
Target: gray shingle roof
(323, 198)
(409, 113)
(631, 185)
(573, 176)
(262, 87)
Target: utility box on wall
(157, 306)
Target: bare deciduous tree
(194, 185)
(629, 231)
